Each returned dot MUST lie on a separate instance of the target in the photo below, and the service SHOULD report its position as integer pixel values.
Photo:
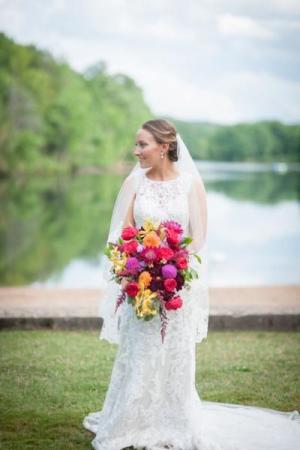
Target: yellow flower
(148, 226)
(147, 302)
(149, 312)
(149, 294)
(148, 308)
(143, 303)
(118, 259)
(115, 254)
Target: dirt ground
(57, 302)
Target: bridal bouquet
(154, 261)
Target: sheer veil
(197, 230)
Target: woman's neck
(162, 173)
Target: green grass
(51, 379)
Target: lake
(54, 229)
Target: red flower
(150, 254)
(181, 263)
(174, 303)
(165, 253)
(172, 225)
(170, 284)
(181, 252)
(173, 237)
(129, 233)
(130, 247)
(132, 289)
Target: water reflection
(53, 229)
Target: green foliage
(130, 300)
(53, 118)
(265, 141)
(198, 258)
(185, 241)
(194, 273)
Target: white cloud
(263, 95)
(231, 25)
(188, 100)
(222, 61)
(286, 6)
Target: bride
(152, 401)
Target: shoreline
(256, 307)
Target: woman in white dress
(152, 401)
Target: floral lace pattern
(163, 200)
(152, 401)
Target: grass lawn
(51, 379)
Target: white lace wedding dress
(152, 400)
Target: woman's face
(147, 149)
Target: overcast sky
(222, 61)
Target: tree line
(53, 118)
(262, 141)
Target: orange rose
(151, 240)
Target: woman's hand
(124, 283)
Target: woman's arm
(198, 214)
(129, 219)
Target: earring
(161, 154)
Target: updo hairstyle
(164, 132)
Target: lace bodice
(163, 200)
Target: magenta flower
(169, 271)
(150, 254)
(132, 265)
(173, 225)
